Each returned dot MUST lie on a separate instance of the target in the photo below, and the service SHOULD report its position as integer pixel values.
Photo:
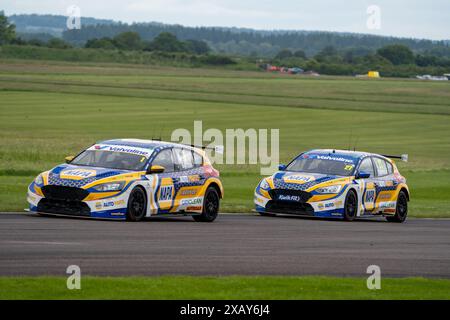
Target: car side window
(367, 166)
(165, 159)
(198, 159)
(390, 168)
(183, 159)
(381, 167)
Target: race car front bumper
(109, 208)
(332, 208)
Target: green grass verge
(233, 287)
(50, 110)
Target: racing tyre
(137, 205)
(210, 206)
(401, 211)
(265, 214)
(351, 206)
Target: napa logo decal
(77, 174)
(297, 178)
(166, 193)
(370, 195)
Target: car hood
(79, 176)
(301, 180)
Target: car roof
(146, 144)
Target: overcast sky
(407, 18)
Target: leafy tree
(328, 51)
(425, 61)
(397, 54)
(197, 46)
(328, 54)
(300, 54)
(217, 60)
(103, 43)
(166, 42)
(36, 42)
(283, 54)
(7, 30)
(58, 44)
(128, 41)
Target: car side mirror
(362, 175)
(155, 169)
(282, 167)
(69, 159)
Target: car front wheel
(351, 206)
(137, 204)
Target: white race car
(336, 184)
(130, 179)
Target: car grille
(302, 196)
(64, 193)
(288, 207)
(66, 207)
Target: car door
(165, 187)
(385, 185)
(368, 185)
(189, 180)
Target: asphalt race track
(234, 244)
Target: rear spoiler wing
(403, 157)
(218, 149)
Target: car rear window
(381, 166)
(198, 159)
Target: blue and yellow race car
(130, 179)
(336, 184)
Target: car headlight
(264, 184)
(330, 189)
(39, 180)
(110, 186)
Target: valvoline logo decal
(77, 174)
(299, 178)
(124, 149)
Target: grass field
(50, 110)
(223, 288)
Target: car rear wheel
(265, 214)
(351, 206)
(401, 210)
(137, 204)
(210, 206)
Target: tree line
(165, 46)
(391, 60)
(246, 42)
(234, 41)
(165, 42)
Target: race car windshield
(111, 160)
(323, 166)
